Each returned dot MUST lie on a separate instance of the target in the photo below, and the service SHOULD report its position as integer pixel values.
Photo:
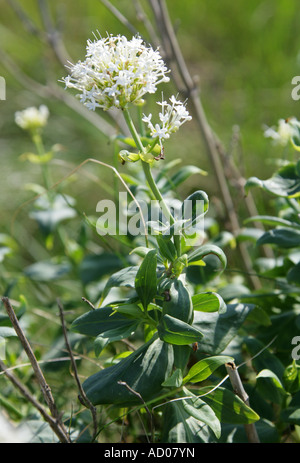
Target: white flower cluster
(287, 128)
(172, 116)
(32, 118)
(116, 71)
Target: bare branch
(82, 397)
(123, 20)
(45, 388)
(239, 390)
(55, 426)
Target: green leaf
(219, 329)
(131, 310)
(283, 238)
(94, 267)
(122, 278)
(194, 207)
(209, 302)
(291, 378)
(146, 279)
(285, 182)
(179, 303)
(204, 368)
(228, 407)
(49, 213)
(115, 334)
(201, 411)
(175, 380)
(205, 250)
(293, 275)
(180, 427)
(98, 321)
(166, 248)
(179, 177)
(144, 371)
(291, 415)
(48, 270)
(270, 386)
(270, 220)
(174, 331)
(7, 332)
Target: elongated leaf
(6, 332)
(204, 368)
(124, 277)
(205, 250)
(270, 386)
(144, 371)
(179, 177)
(48, 270)
(115, 334)
(166, 247)
(175, 331)
(175, 380)
(98, 321)
(180, 427)
(201, 411)
(219, 329)
(131, 310)
(285, 182)
(94, 267)
(291, 415)
(228, 407)
(270, 220)
(146, 279)
(179, 303)
(293, 275)
(208, 302)
(283, 238)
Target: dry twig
(55, 419)
(82, 396)
(239, 390)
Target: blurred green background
(244, 55)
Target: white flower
(172, 116)
(115, 72)
(32, 118)
(287, 128)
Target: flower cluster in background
(287, 130)
(32, 118)
(116, 71)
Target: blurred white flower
(172, 116)
(32, 118)
(116, 71)
(12, 435)
(287, 128)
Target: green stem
(148, 174)
(41, 151)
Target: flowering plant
(118, 73)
